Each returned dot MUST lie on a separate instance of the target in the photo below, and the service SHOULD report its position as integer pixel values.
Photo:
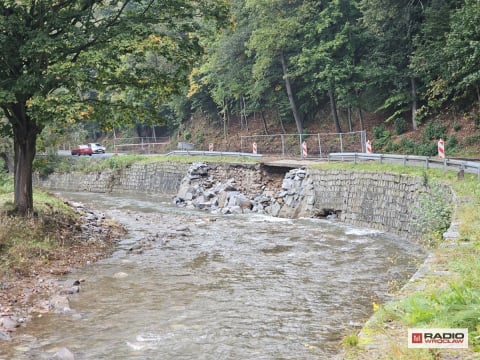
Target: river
(186, 284)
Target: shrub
(381, 135)
(45, 165)
(451, 143)
(472, 140)
(433, 214)
(400, 126)
(434, 131)
(378, 132)
(426, 149)
(392, 147)
(407, 146)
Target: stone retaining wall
(382, 201)
(375, 200)
(161, 177)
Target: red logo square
(417, 338)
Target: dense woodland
(76, 67)
(406, 61)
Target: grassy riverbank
(447, 292)
(36, 249)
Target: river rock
(9, 323)
(60, 304)
(63, 354)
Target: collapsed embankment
(382, 201)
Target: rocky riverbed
(23, 297)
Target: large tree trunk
(24, 155)
(264, 121)
(333, 107)
(360, 116)
(25, 131)
(293, 105)
(414, 103)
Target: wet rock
(59, 304)
(9, 324)
(63, 354)
(4, 336)
(120, 275)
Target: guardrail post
(426, 161)
(381, 158)
(355, 158)
(319, 144)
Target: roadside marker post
(369, 147)
(441, 149)
(304, 150)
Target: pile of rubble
(200, 190)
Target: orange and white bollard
(254, 147)
(304, 150)
(369, 147)
(441, 149)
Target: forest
(405, 62)
(78, 70)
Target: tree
(429, 60)
(272, 43)
(462, 51)
(73, 60)
(331, 50)
(395, 23)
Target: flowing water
(205, 286)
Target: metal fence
(428, 162)
(293, 145)
(139, 145)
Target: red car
(82, 150)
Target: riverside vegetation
(34, 250)
(435, 301)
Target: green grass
(45, 166)
(27, 242)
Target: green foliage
(408, 146)
(400, 125)
(78, 61)
(6, 183)
(378, 132)
(381, 135)
(434, 131)
(350, 340)
(434, 212)
(426, 149)
(45, 165)
(472, 140)
(200, 138)
(451, 144)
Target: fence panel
(318, 145)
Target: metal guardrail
(212, 153)
(414, 160)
